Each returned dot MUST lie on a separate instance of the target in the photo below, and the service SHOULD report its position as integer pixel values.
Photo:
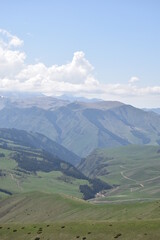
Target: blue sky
(120, 40)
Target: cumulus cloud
(75, 77)
(11, 59)
(8, 40)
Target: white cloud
(8, 40)
(75, 77)
(133, 80)
(11, 60)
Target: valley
(53, 189)
(80, 120)
(133, 170)
(25, 168)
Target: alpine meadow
(79, 120)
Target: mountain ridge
(83, 126)
(39, 141)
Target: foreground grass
(82, 230)
(37, 216)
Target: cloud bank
(76, 77)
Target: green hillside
(54, 216)
(38, 207)
(26, 169)
(133, 170)
(37, 140)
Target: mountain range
(46, 172)
(81, 126)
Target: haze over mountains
(156, 110)
(81, 126)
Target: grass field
(53, 216)
(47, 205)
(16, 180)
(53, 182)
(135, 170)
(83, 230)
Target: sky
(107, 49)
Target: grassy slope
(36, 140)
(26, 169)
(17, 181)
(84, 230)
(134, 168)
(62, 217)
(39, 207)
